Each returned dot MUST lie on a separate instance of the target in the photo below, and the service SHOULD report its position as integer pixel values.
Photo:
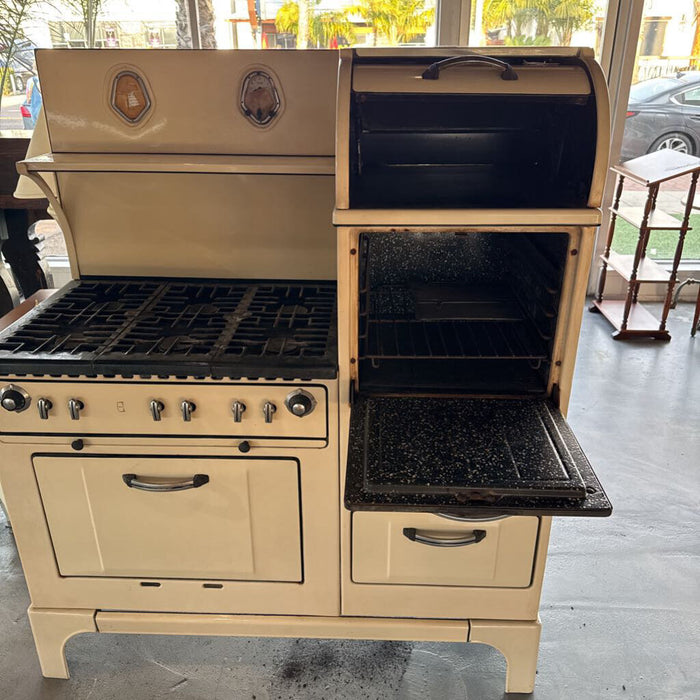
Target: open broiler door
(454, 410)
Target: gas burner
(216, 328)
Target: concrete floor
(621, 602)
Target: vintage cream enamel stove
(204, 434)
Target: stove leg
(519, 642)
(52, 628)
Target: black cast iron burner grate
(200, 328)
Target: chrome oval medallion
(260, 100)
(130, 98)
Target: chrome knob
(14, 398)
(44, 406)
(157, 409)
(238, 409)
(268, 411)
(300, 403)
(188, 408)
(75, 406)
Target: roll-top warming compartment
(459, 135)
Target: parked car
(663, 113)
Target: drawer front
(241, 522)
(430, 550)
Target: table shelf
(648, 270)
(631, 319)
(658, 220)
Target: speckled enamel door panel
(106, 519)
(430, 550)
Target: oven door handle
(134, 482)
(412, 534)
(432, 72)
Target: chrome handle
(75, 406)
(432, 72)
(268, 411)
(412, 534)
(188, 408)
(134, 482)
(471, 518)
(44, 406)
(238, 409)
(157, 409)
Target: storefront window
(664, 112)
(166, 24)
(543, 23)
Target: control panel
(272, 410)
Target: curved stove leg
(519, 642)
(52, 628)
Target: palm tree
(564, 17)
(323, 27)
(205, 12)
(695, 50)
(569, 15)
(396, 21)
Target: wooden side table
(628, 316)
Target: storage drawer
(431, 550)
(239, 522)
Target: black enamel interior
(454, 151)
(448, 313)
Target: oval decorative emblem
(130, 98)
(260, 100)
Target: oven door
(173, 517)
(480, 456)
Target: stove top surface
(216, 328)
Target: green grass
(664, 242)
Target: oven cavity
(458, 313)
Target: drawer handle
(471, 518)
(412, 534)
(134, 482)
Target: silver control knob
(238, 409)
(268, 411)
(188, 408)
(300, 403)
(44, 406)
(157, 409)
(75, 406)
(14, 398)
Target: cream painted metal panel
(124, 409)
(195, 98)
(381, 553)
(229, 226)
(396, 219)
(471, 78)
(176, 163)
(222, 530)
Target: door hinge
(352, 392)
(556, 395)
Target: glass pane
(664, 112)
(541, 23)
(274, 24)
